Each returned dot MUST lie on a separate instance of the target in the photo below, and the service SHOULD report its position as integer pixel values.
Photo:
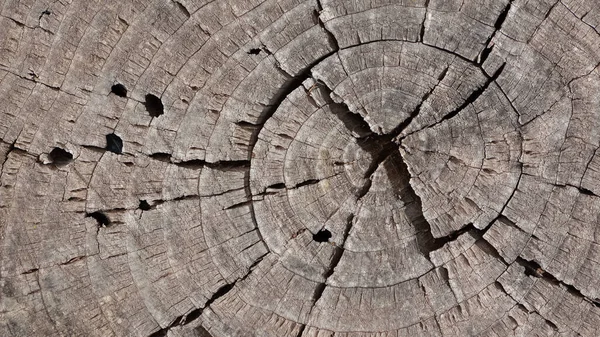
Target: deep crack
(497, 26)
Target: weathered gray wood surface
(299, 168)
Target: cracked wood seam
(299, 168)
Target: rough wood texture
(299, 168)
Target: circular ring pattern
(299, 168)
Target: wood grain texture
(303, 168)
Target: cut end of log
(300, 168)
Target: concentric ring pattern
(299, 168)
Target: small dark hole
(119, 90)
(60, 156)
(114, 143)
(100, 218)
(254, 51)
(154, 105)
(144, 205)
(322, 236)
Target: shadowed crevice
(317, 15)
(183, 9)
(497, 26)
(224, 165)
(422, 32)
(472, 97)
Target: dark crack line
(422, 32)
(310, 182)
(224, 165)
(497, 26)
(581, 190)
(182, 8)
(585, 170)
(500, 213)
(21, 24)
(479, 233)
(281, 186)
(335, 260)
(248, 192)
(152, 206)
(533, 269)
(441, 241)
(470, 100)
(400, 128)
(584, 190)
(332, 39)
(196, 313)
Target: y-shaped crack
(384, 150)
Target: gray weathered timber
(302, 168)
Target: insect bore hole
(322, 236)
(119, 90)
(154, 105)
(114, 143)
(101, 219)
(60, 156)
(254, 51)
(144, 205)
